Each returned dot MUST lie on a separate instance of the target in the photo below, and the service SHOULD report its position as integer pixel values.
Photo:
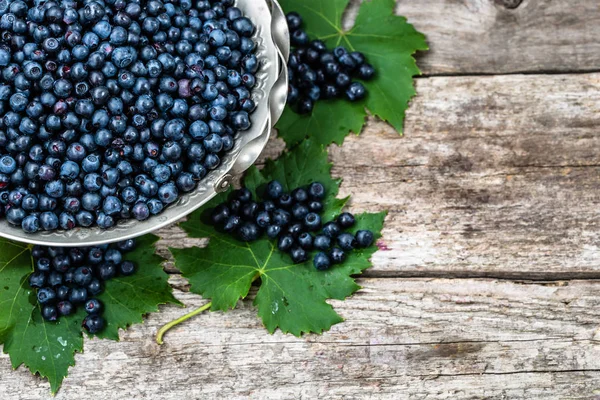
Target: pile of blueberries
(294, 220)
(67, 278)
(316, 73)
(110, 109)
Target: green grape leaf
(49, 348)
(291, 297)
(388, 41)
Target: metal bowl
(270, 94)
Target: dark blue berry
(322, 242)
(305, 240)
(83, 276)
(337, 255)
(93, 306)
(49, 313)
(346, 241)
(46, 295)
(285, 243)
(346, 220)
(127, 268)
(248, 232)
(273, 231)
(93, 323)
(312, 222)
(65, 307)
(299, 255)
(364, 238)
(321, 261)
(106, 271)
(37, 280)
(295, 230)
(331, 229)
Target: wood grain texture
(486, 37)
(413, 338)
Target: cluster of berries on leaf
(67, 278)
(294, 220)
(316, 73)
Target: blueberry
(321, 261)
(62, 292)
(126, 245)
(7, 164)
(93, 323)
(31, 224)
(331, 229)
(93, 306)
(295, 230)
(305, 240)
(366, 72)
(213, 143)
(83, 276)
(113, 256)
(356, 91)
(122, 57)
(127, 268)
(274, 190)
(305, 106)
(232, 223)
(48, 221)
(240, 121)
(112, 205)
(49, 313)
(346, 220)
(248, 232)
(315, 206)
(95, 256)
(140, 211)
(273, 231)
(43, 264)
(364, 238)
(65, 308)
(312, 221)
(263, 219)
(95, 287)
(107, 271)
(268, 206)
(337, 255)
(285, 201)
(37, 280)
(46, 295)
(316, 191)
(168, 193)
(346, 241)
(322, 242)
(294, 21)
(249, 211)
(298, 255)
(285, 243)
(155, 206)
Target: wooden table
(490, 286)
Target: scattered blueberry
(293, 220)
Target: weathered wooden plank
(486, 37)
(495, 177)
(410, 338)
